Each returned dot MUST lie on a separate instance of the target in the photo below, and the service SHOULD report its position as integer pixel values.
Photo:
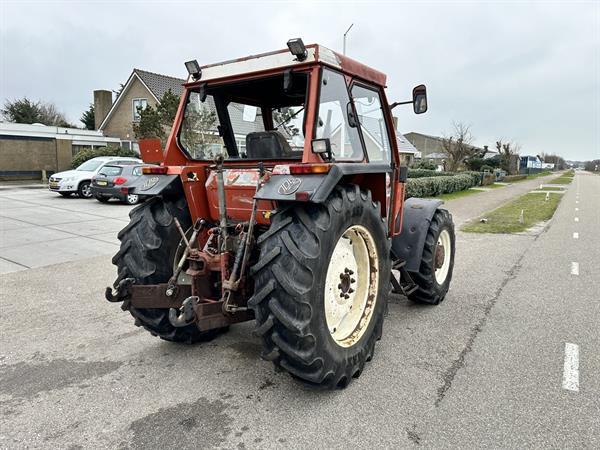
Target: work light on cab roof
(279, 198)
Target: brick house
(142, 88)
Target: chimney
(102, 104)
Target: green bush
(109, 150)
(421, 173)
(424, 164)
(433, 186)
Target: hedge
(433, 186)
(421, 173)
(84, 155)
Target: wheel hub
(439, 256)
(351, 286)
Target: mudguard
(157, 184)
(408, 245)
(317, 188)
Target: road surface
(489, 367)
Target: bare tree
(509, 154)
(458, 145)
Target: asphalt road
(483, 369)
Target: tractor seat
(267, 145)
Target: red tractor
(280, 199)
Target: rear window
(111, 171)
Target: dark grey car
(114, 181)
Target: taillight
(299, 169)
(154, 170)
(120, 180)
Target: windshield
(257, 119)
(90, 166)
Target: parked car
(114, 181)
(78, 181)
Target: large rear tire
(437, 263)
(148, 246)
(306, 319)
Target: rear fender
(150, 185)
(316, 188)
(408, 245)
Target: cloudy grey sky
(524, 71)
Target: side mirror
(352, 122)
(420, 99)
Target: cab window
(332, 120)
(372, 123)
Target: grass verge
(467, 192)
(505, 219)
(561, 180)
(550, 188)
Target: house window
(138, 103)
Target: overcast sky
(522, 71)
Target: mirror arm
(393, 105)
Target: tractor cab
(306, 111)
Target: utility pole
(345, 37)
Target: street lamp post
(345, 37)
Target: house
(408, 152)
(530, 164)
(33, 151)
(428, 145)
(141, 89)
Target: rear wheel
(132, 199)
(85, 190)
(148, 246)
(437, 262)
(321, 286)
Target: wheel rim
(443, 255)
(132, 198)
(351, 286)
(86, 190)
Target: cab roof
(280, 59)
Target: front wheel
(321, 285)
(437, 262)
(102, 198)
(85, 190)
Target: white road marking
(570, 379)
(577, 202)
(574, 268)
(576, 209)
(576, 219)
(576, 235)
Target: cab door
(380, 144)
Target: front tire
(437, 261)
(85, 190)
(102, 198)
(304, 322)
(148, 246)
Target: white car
(78, 181)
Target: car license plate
(54, 185)
(101, 183)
